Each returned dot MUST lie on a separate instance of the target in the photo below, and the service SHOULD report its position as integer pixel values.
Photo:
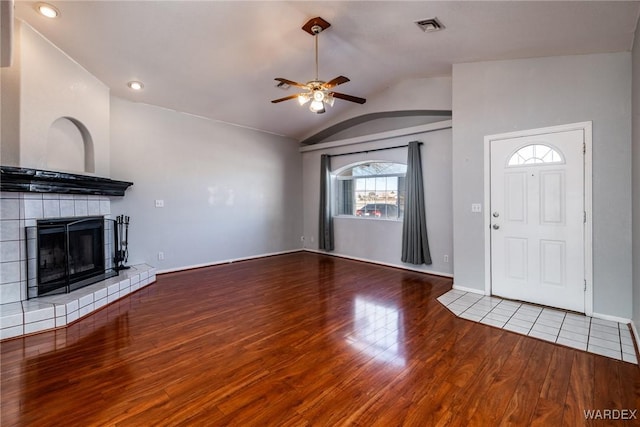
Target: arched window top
(535, 154)
(371, 169)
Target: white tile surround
(19, 210)
(603, 337)
(49, 312)
(20, 315)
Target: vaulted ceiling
(218, 59)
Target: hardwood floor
(295, 340)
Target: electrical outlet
(159, 203)
(476, 207)
(160, 256)
(446, 258)
(312, 239)
(302, 238)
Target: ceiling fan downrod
(316, 29)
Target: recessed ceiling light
(47, 10)
(135, 85)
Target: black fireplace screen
(71, 253)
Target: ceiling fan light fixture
(316, 106)
(303, 98)
(329, 99)
(318, 95)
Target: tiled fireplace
(22, 310)
(21, 210)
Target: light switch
(476, 207)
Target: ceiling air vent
(430, 25)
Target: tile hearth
(49, 312)
(603, 337)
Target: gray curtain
(415, 244)
(325, 235)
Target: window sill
(366, 218)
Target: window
(371, 190)
(535, 154)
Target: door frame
(587, 128)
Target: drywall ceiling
(218, 59)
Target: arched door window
(535, 154)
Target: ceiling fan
(317, 91)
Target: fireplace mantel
(42, 181)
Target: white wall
(636, 178)
(502, 96)
(380, 240)
(9, 108)
(229, 192)
(51, 85)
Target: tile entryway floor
(604, 337)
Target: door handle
(495, 226)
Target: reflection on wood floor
(300, 339)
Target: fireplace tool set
(122, 241)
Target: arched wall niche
(70, 146)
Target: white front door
(537, 219)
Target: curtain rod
(372, 150)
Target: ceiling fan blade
(348, 97)
(290, 82)
(335, 82)
(286, 98)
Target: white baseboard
(386, 264)
(611, 318)
(471, 290)
(227, 261)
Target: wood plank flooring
(301, 340)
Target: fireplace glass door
(70, 254)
